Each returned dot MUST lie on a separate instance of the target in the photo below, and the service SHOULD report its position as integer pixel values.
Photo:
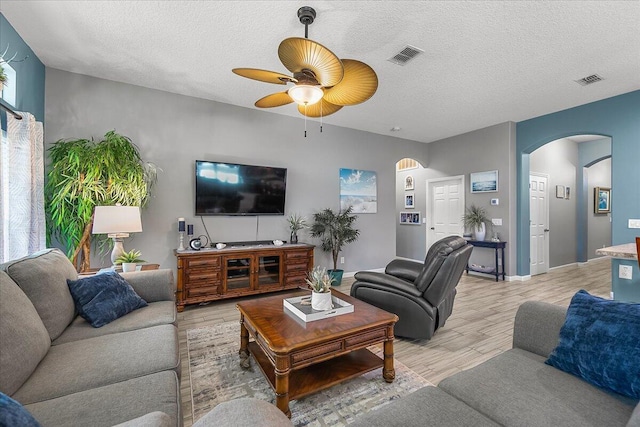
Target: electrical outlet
(341, 260)
(496, 221)
(634, 223)
(625, 272)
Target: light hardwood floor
(479, 328)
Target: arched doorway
(411, 179)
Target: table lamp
(117, 222)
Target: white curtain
(22, 220)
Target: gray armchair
(420, 294)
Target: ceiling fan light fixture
(306, 94)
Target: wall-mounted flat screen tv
(235, 189)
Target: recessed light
(395, 129)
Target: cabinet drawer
(200, 292)
(202, 263)
(297, 268)
(202, 275)
(295, 279)
(292, 255)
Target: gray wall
(481, 150)
(558, 159)
(173, 130)
(599, 226)
(411, 239)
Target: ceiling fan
(323, 83)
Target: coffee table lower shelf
(321, 375)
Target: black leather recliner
(420, 294)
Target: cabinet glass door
(269, 271)
(238, 273)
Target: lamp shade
(116, 220)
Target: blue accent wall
(617, 117)
(30, 73)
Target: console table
(497, 246)
(240, 269)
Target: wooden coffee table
(299, 358)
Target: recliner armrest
(387, 281)
(404, 269)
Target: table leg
(503, 273)
(282, 387)
(244, 343)
(388, 372)
(497, 270)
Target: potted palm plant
(84, 174)
(475, 218)
(129, 260)
(335, 230)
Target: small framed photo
(567, 193)
(601, 200)
(560, 191)
(409, 200)
(411, 218)
(408, 183)
(484, 182)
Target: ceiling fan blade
(322, 108)
(359, 83)
(264, 75)
(274, 100)
(298, 54)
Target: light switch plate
(625, 272)
(496, 221)
(634, 223)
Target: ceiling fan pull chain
(305, 120)
(320, 116)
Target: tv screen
(234, 189)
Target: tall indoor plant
(335, 230)
(475, 218)
(84, 174)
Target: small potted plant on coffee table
(129, 260)
(320, 283)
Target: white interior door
(445, 199)
(539, 223)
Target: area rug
(216, 377)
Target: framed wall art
(601, 200)
(358, 188)
(412, 218)
(408, 183)
(409, 201)
(484, 182)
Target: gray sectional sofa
(66, 372)
(514, 388)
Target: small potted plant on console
(320, 283)
(129, 260)
(296, 222)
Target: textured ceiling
(485, 62)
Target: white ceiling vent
(593, 78)
(405, 55)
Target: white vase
(321, 301)
(480, 232)
(128, 267)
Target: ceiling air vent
(593, 78)
(405, 55)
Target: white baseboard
(518, 278)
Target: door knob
(433, 228)
(546, 230)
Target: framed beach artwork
(601, 200)
(409, 200)
(358, 188)
(411, 218)
(484, 182)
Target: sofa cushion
(154, 314)
(634, 421)
(13, 414)
(517, 388)
(95, 362)
(24, 340)
(103, 298)
(600, 342)
(152, 419)
(427, 406)
(114, 403)
(43, 277)
(244, 412)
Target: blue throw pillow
(13, 414)
(600, 343)
(103, 298)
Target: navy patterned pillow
(13, 414)
(600, 343)
(103, 298)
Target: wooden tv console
(239, 270)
